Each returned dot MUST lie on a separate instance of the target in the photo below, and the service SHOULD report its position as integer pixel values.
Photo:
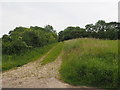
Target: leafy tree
(100, 29)
(60, 35)
(21, 39)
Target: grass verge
(11, 61)
(90, 62)
(53, 54)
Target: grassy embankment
(11, 61)
(90, 62)
(53, 54)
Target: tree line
(101, 30)
(21, 38)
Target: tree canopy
(101, 30)
(22, 38)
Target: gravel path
(35, 75)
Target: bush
(22, 38)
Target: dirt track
(35, 75)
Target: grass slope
(11, 61)
(53, 54)
(90, 62)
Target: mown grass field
(11, 61)
(90, 62)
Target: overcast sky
(58, 14)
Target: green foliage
(11, 61)
(90, 62)
(21, 39)
(71, 33)
(53, 54)
(23, 45)
(101, 30)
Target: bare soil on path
(35, 75)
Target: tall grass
(90, 62)
(11, 61)
(53, 54)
